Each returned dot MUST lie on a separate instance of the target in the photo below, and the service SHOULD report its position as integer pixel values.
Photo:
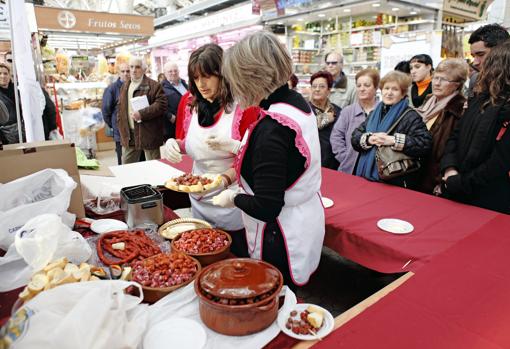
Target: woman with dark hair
(326, 113)
(403, 66)
(476, 162)
(293, 81)
(212, 128)
(410, 135)
(421, 72)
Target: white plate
(327, 202)
(395, 226)
(176, 332)
(102, 226)
(171, 229)
(326, 328)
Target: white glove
(225, 198)
(171, 151)
(225, 144)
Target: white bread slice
(314, 309)
(59, 263)
(71, 268)
(26, 295)
(37, 283)
(50, 274)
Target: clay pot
(238, 296)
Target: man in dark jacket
(142, 129)
(110, 106)
(174, 87)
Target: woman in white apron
(279, 167)
(212, 134)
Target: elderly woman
(476, 161)
(351, 117)
(279, 166)
(421, 73)
(440, 112)
(410, 135)
(212, 127)
(326, 114)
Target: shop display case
(358, 38)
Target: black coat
(482, 162)
(418, 143)
(174, 97)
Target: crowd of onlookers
(439, 129)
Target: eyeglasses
(332, 63)
(124, 71)
(441, 80)
(135, 66)
(320, 87)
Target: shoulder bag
(392, 163)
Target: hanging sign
(472, 9)
(51, 18)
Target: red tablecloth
(358, 204)
(458, 300)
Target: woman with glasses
(440, 112)
(421, 73)
(351, 117)
(212, 128)
(410, 135)
(476, 161)
(326, 113)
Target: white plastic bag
(40, 241)
(46, 191)
(84, 315)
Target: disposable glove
(171, 151)
(225, 198)
(223, 144)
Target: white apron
(206, 160)
(301, 220)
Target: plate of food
(191, 183)
(306, 322)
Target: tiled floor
(337, 285)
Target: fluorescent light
(347, 10)
(279, 23)
(327, 4)
(321, 15)
(395, 9)
(300, 19)
(413, 13)
(376, 5)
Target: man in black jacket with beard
(174, 87)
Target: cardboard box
(19, 160)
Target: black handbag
(391, 163)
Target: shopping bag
(46, 191)
(84, 315)
(41, 240)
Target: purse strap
(398, 120)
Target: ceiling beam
(195, 7)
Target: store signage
(473, 9)
(50, 18)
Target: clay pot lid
(239, 278)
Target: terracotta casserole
(238, 296)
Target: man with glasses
(141, 128)
(343, 92)
(110, 106)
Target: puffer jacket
(148, 134)
(483, 162)
(418, 143)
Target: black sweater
(272, 162)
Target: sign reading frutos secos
(93, 22)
